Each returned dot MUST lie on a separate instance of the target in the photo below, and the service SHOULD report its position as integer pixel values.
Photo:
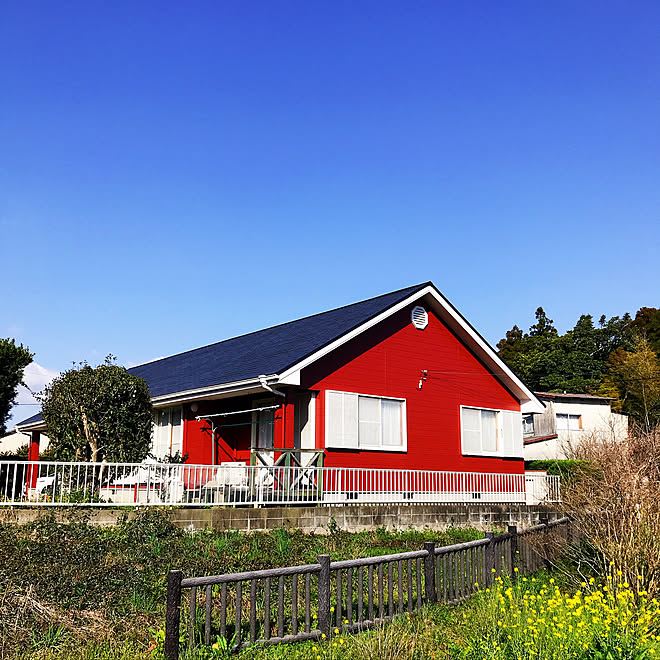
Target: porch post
(33, 455)
(33, 447)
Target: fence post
(173, 615)
(429, 572)
(490, 557)
(513, 530)
(324, 594)
(543, 518)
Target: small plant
(49, 638)
(333, 527)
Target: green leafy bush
(566, 469)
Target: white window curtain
(393, 431)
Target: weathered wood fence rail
(308, 602)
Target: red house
(399, 381)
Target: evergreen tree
(13, 360)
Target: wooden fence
(308, 602)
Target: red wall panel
(232, 433)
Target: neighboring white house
(567, 420)
(15, 440)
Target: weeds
(103, 588)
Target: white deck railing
(41, 483)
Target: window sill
(391, 450)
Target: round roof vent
(419, 317)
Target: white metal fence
(42, 483)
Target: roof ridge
(412, 289)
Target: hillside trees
(616, 358)
(634, 381)
(98, 413)
(13, 360)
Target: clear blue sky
(175, 173)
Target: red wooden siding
(387, 361)
(232, 442)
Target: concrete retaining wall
(319, 520)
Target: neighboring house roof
(572, 396)
(30, 420)
(34, 423)
(282, 351)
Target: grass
(82, 591)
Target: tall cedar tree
(573, 362)
(98, 413)
(13, 360)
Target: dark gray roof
(30, 420)
(268, 351)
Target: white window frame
(403, 448)
(254, 431)
(568, 421)
(529, 416)
(154, 431)
(498, 434)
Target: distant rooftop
(569, 395)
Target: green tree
(96, 413)
(647, 324)
(576, 361)
(13, 360)
(635, 380)
(532, 355)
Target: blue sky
(172, 174)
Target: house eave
(33, 426)
(220, 391)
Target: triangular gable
(456, 322)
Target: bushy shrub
(615, 509)
(565, 468)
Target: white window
(487, 432)
(359, 421)
(528, 425)
(167, 432)
(566, 422)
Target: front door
(263, 432)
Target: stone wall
(319, 520)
